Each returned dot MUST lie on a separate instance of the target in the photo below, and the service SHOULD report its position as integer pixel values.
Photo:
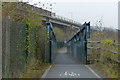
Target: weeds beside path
(35, 72)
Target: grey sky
(89, 11)
(92, 12)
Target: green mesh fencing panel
(53, 48)
(60, 44)
(14, 48)
(77, 45)
(20, 45)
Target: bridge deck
(64, 58)
(65, 66)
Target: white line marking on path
(46, 72)
(93, 71)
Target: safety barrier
(66, 19)
(77, 45)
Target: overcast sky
(84, 10)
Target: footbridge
(71, 60)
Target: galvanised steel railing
(77, 45)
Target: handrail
(66, 19)
(82, 27)
(93, 41)
(78, 42)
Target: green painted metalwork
(52, 43)
(77, 45)
(60, 44)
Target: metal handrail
(66, 19)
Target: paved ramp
(64, 66)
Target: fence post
(1, 33)
(49, 43)
(87, 35)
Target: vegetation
(36, 37)
(105, 59)
(59, 33)
(36, 70)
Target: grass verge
(104, 70)
(35, 71)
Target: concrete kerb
(46, 72)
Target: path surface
(66, 67)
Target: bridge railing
(66, 19)
(77, 45)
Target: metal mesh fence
(53, 48)
(20, 45)
(42, 46)
(77, 45)
(60, 44)
(14, 48)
